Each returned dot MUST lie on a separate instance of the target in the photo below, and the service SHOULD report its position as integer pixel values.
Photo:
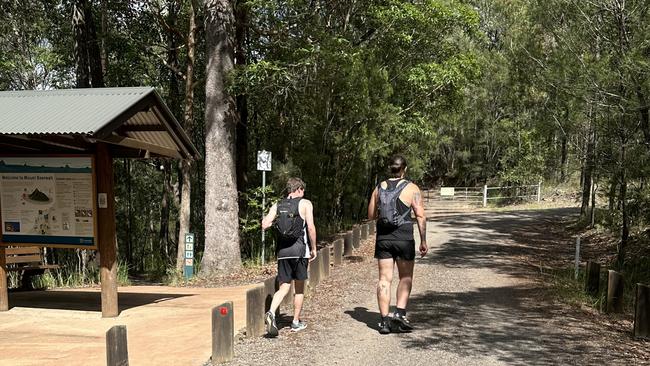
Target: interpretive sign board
(48, 201)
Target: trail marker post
(263, 164)
(188, 270)
(577, 261)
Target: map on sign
(264, 160)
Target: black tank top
(299, 247)
(403, 232)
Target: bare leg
(279, 296)
(298, 299)
(383, 285)
(405, 270)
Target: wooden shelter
(103, 123)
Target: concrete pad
(165, 325)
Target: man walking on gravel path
(391, 204)
(293, 217)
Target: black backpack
(387, 205)
(288, 223)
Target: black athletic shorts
(292, 269)
(396, 249)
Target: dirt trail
(474, 301)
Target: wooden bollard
(614, 292)
(592, 278)
(372, 225)
(314, 272)
(347, 244)
(255, 311)
(117, 352)
(642, 311)
(223, 333)
(364, 231)
(356, 237)
(324, 263)
(269, 291)
(338, 251)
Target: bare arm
(372, 206)
(267, 221)
(311, 228)
(418, 208)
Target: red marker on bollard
(223, 311)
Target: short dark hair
(396, 166)
(294, 184)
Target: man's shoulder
(305, 202)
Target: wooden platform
(165, 325)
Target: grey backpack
(388, 215)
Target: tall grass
(71, 277)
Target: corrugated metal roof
(135, 114)
(70, 111)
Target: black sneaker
(384, 327)
(400, 323)
(271, 328)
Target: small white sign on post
(447, 191)
(263, 164)
(264, 161)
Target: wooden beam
(106, 232)
(4, 289)
(141, 128)
(137, 144)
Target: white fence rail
(482, 195)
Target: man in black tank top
(293, 254)
(392, 203)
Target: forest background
(472, 92)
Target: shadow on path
(363, 315)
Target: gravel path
(475, 301)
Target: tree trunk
(242, 104)
(188, 124)
(94, 53)
(80, 44)
(625, 230)
(222, 252)
(163, 236)
(588, 170)
(563, 159)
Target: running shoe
(297, 327)
(384, 327)
(400, 323)
(271, 328)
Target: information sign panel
(48, 201)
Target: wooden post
(614, 292)
(347, 244)
(592, 278)
(372, 225)
(117, 352)
(325, 263)
(255, 311)
(642, 311)
(485, 189)
(223, 333)
(4, 288)
(364, 231)
(106, 232)
(338, 251)
(356, 236)
(314, 272)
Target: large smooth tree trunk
(222, 252)
(242, 103)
